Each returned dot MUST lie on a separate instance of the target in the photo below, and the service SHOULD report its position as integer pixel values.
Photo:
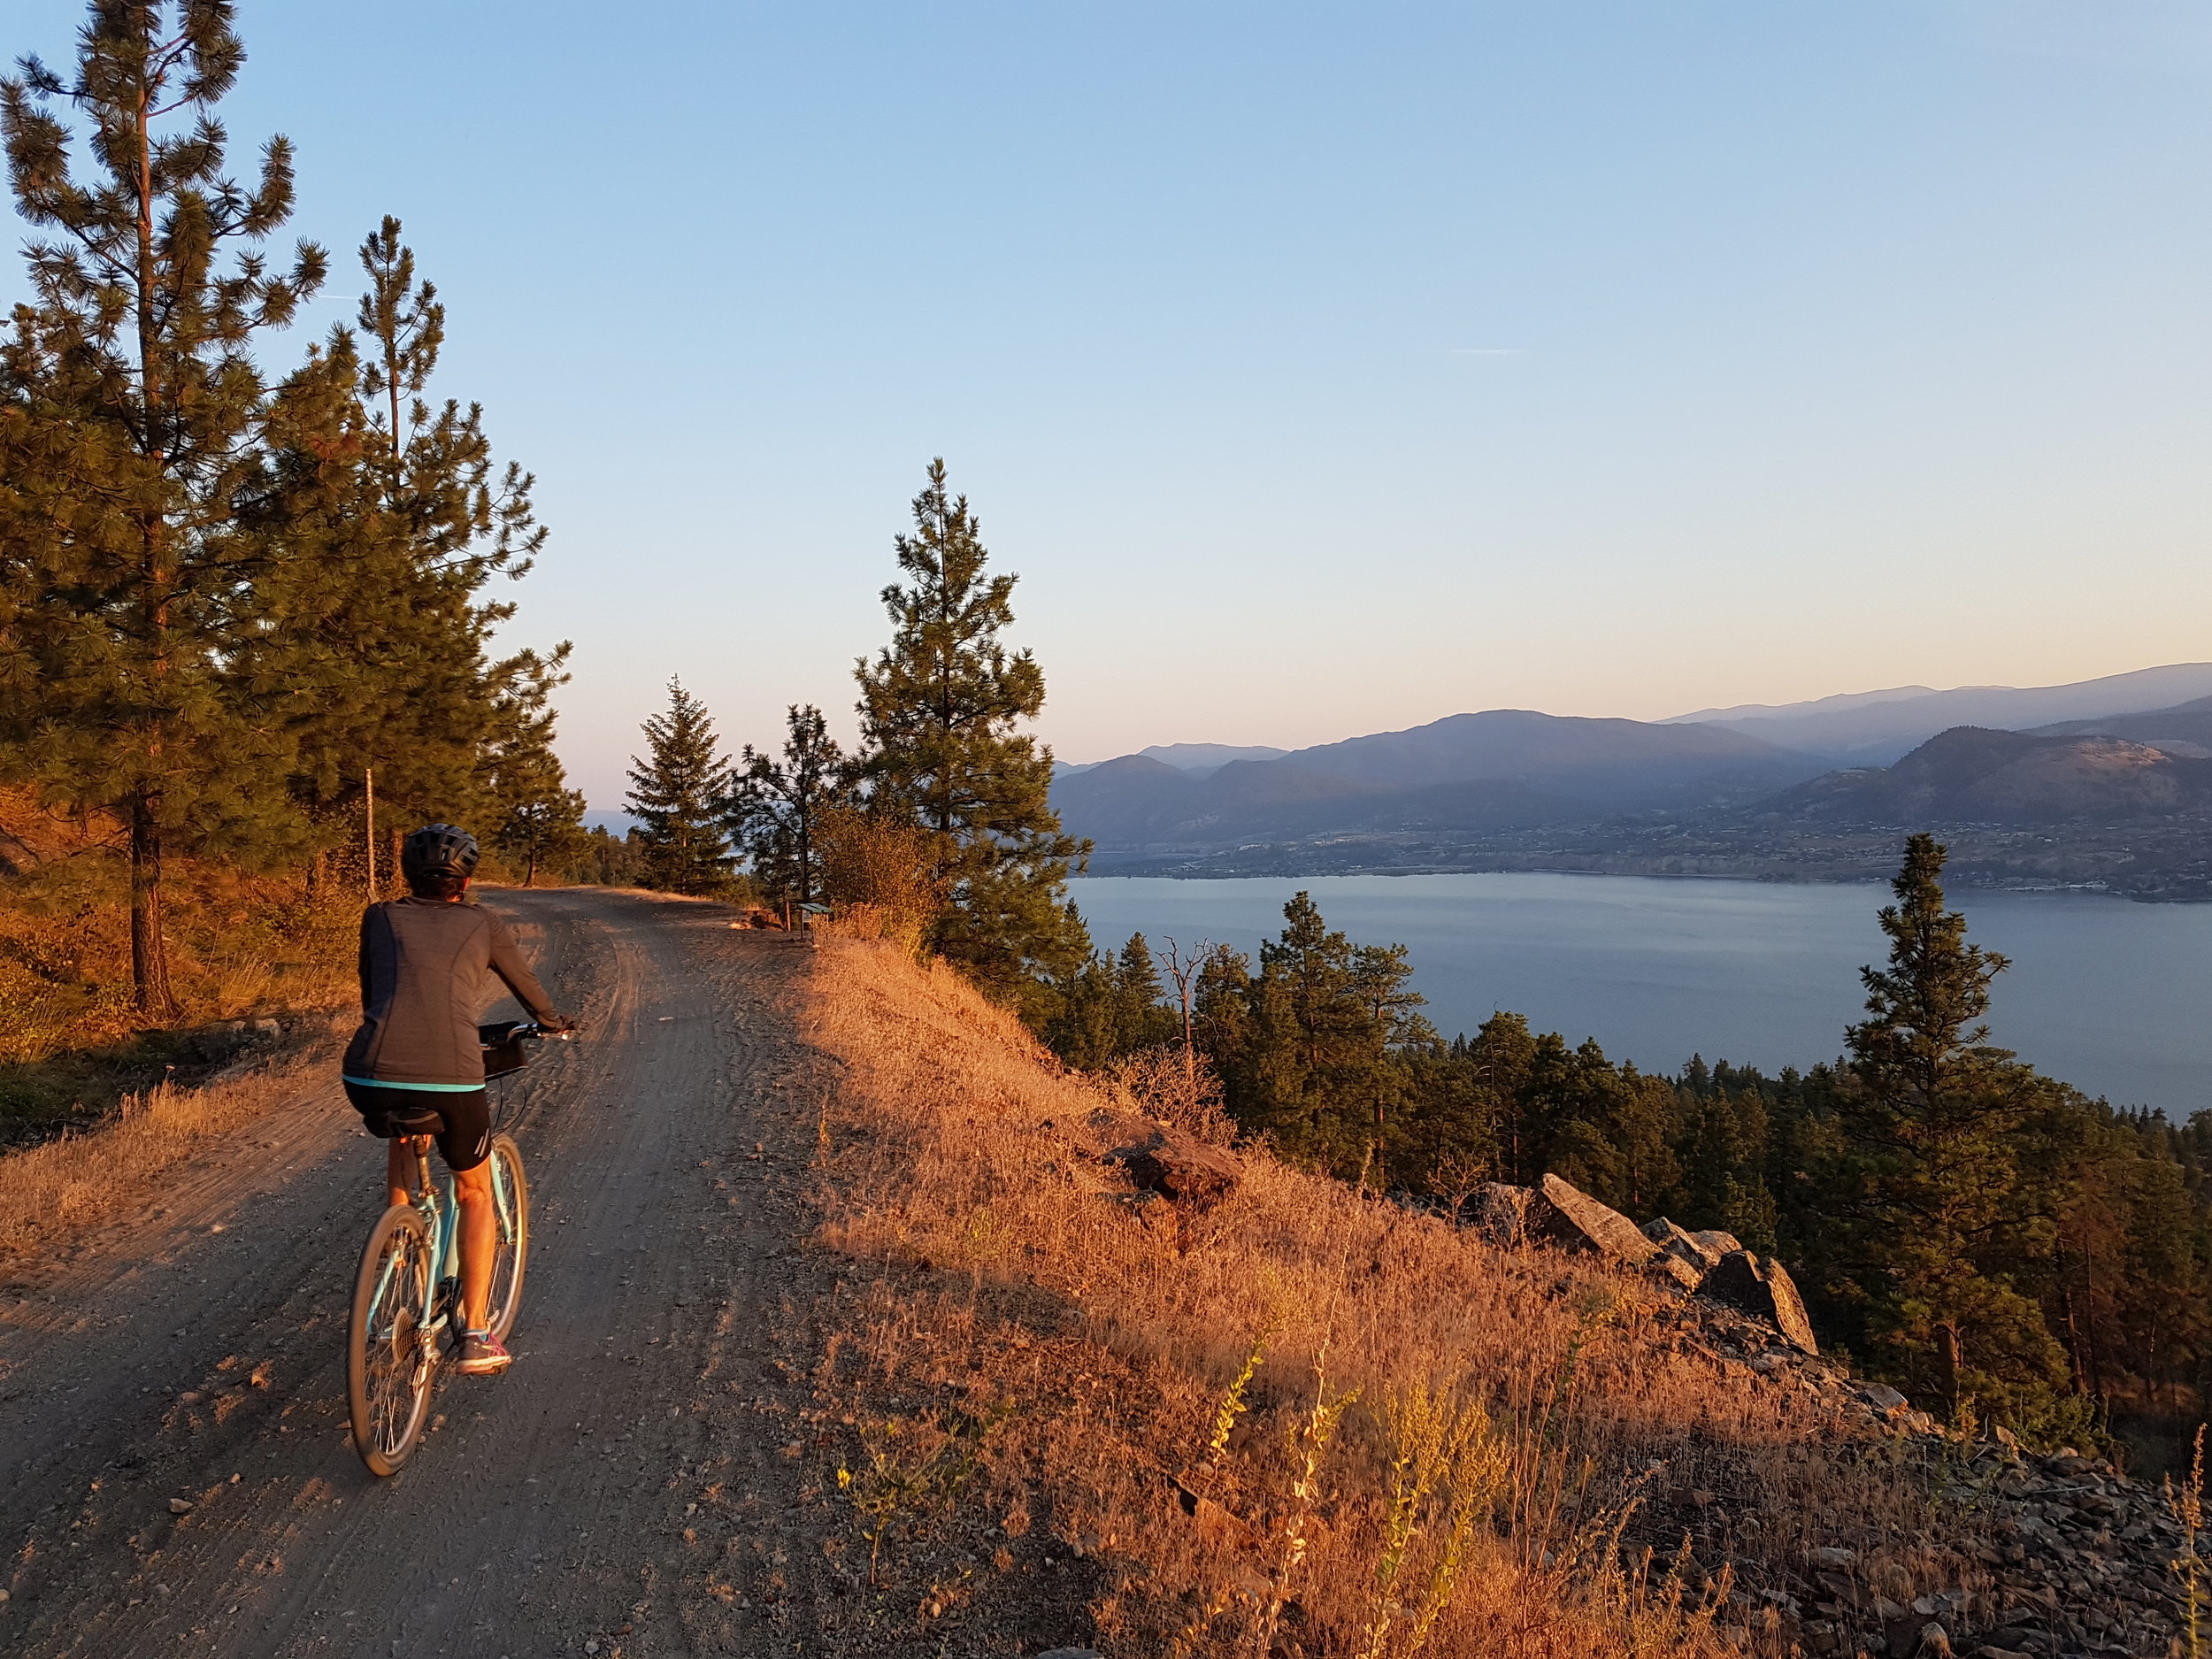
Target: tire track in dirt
(625, 1485)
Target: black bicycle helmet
(438, 849)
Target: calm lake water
(2114, 997)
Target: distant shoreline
(2092, 890)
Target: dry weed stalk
(2186, 1504)
(1446, 1471)
(1234, 1404)
(1309, 1444)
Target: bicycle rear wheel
(511, 1204)
(389, 1361)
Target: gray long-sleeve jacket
(426, 970)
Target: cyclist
(416, 1067)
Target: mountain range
(1872, 728)
(2092, 753)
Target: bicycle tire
(511, 1201)
(389, 1372)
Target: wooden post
(368, 788)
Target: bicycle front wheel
(510, 1204)
(388, 1357)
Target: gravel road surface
(632, 1486)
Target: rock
(1935, 1642)
(1069, 1653)
(1181, 1167)
(1701, 1250)
(1500, 1213)
(1673, 1268)
(1575, 1219)
(1765, 1290)
(1882, 1397)
(1832, 1558)
(179, 1506)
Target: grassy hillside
(1304, 1421)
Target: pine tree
(386, 632)
(132, 377)
(940, 713)
(537, 819)
(681, 795)
(1111, 1007)
(1313, 1048)
(779, 805)
(1932, 1214)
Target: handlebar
(518, 1030)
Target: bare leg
(479, 1241)
(399, 1170)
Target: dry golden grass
(1306, 1423)
(84, 1180)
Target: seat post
(422, 1163)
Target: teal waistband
(426, 1089)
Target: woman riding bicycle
(416, 1066)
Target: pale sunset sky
(1321, 369)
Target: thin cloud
(1489, 352)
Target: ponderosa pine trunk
(149, 949)
(150, 961)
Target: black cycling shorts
(460, 1120)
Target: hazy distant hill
(1970, 774)
(1876, 727)
(1506, 768)
(1196, 759)
(2183, 731)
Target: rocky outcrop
(1571, 1217)
(1764, 1290)
(1713, 1264)
(1701, 1250)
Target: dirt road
(631, 1488)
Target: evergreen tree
(779, 805)
(132, 378)
(1312, 1049)
(537, 819)
(1111, 1007)
(384, 633)
(939, 710)
(681, 795)
(1932, 1217)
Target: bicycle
(407, 1314)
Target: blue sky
(1321, 369)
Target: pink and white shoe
(483, 1354)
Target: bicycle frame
(441, 1207)
(394, 1348)
(442, 1212)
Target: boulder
(1765, 1290)
(1180, 1166)
(1672, 1268)
(1571, 1217)
(1701, 1250)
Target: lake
(2112, 996)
